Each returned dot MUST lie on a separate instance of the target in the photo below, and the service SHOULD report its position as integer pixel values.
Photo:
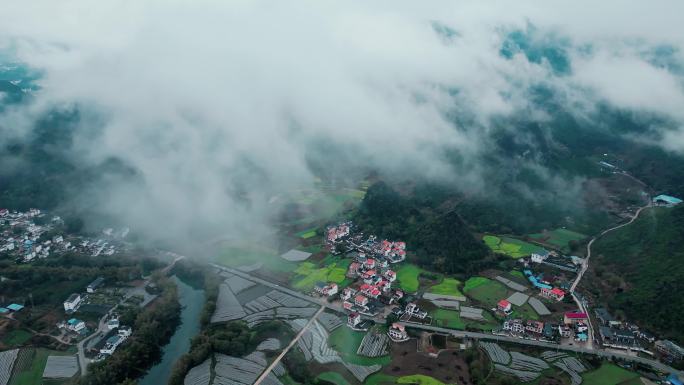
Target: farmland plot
(7, 359)
(200, 374)
(228, 307)
(373, 345)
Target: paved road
(482, 336)
(294, 341)
(585, 265)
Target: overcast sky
(202, 96)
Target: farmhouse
(570, 318)
(95, 284)
(353, 320)
(536, 327)
(390, 275)
(336, 233)
(514, 326)
(397, 333)
(71, 304)
(605, 318)
(666, 200)
(75, 325)
(670, 349)
(415, 311)
(616, 336)
(504, 306)
(325, 289)
(539, 256)
(554, 293)
(354, 269)
(361, 300)
(15, 307)
(347, 293)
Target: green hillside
(647, 255)
(438, 238)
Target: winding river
(191, 301)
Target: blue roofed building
(674, 380)
(666, 200)
(15, 307)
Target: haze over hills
(439, 168)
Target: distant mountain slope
(440, 239)
(648, 257)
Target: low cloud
(220, 106)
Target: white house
(71, 304)
(539, 257)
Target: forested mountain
(435, 232)
(639, 271)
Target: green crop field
(34, 373)
(236, 255)
(514, 248)
(307, 274)
(333, 377)
(559, 238)
(448, 286)
(306, 234)
(485, 290)
(448, 319)
(608, 374)
(17, 337)
(380, 379)
(419, 379)
(525, 312)
(407, 275)
(346, 342)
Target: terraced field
(511, 247)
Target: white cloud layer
(191, 92)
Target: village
(543, 285)
(32, 235)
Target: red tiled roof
(574, 315)
(504, 303)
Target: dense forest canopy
(439, 238)
(641, 266)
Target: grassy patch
(448, 286)
(380, 379)
(517, 273)
(525, 312)
(485, 290)
(608, 374)
(17, 337)
(474, 282)
(514, 248)
(333, 377)
(560, 238)
(306, 234)
(308, 273)
(448, 319)
(346, 342)
(407, 276)
(34, 373)
(419, 379)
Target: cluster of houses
(75, 300)
(545, 288)
(341, 239)
(23, 239)
(574, 325)
(554, 259)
